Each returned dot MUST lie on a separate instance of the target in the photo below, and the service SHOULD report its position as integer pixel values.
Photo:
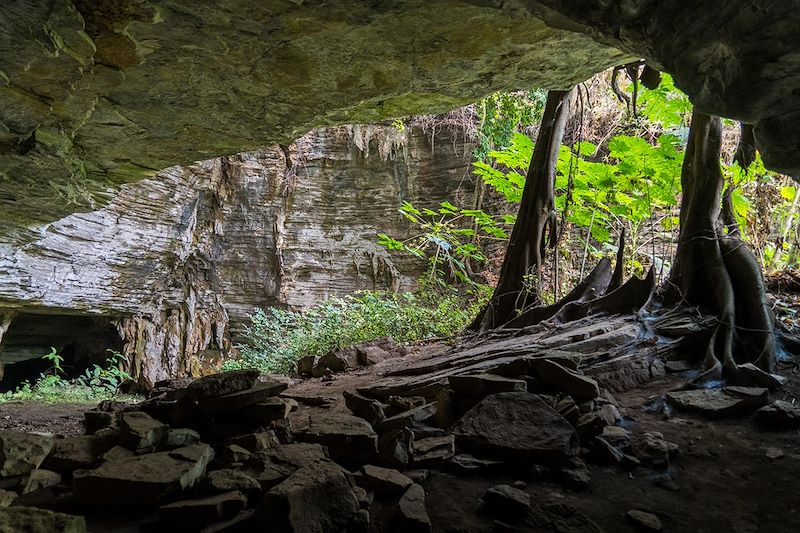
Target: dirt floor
(722, 479)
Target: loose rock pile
(232, 452)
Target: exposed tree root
(590, 287)
(718, 272)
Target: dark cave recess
(82, 341)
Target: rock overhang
(96, 94)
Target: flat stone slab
(432, 451)
(258, 393)
(31, 520)
(315, 498)
(567, 380)
(719, 402)
(22, 452)
(504, 501)
(515, 426)
(347, 437)
(383, 480)
(142, 480)
(480, 385)
(141, 432)
(413, 516)
(81, 451)
(220, 384)
(779, 415)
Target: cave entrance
(81, 340)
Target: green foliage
(277, 338)
(501, 114)
(665, 105)
(109, 378)
(95, 385)
(55, 359)
(447, 237)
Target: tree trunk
(536, 219)
(715, 271)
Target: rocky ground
(574, 428)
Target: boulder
(643, 520)
(273, 465)
(348, 438)
(505, 501)
(590, 425)
(115, 453)
(412, 514)
(750, 374)
(567, 408)
(7, 497)
(261, 392)
(316, 499)
(617, 436)
(566, 380)
(81, 451)
(366, 408)
(719, 402)
(269, 410)
(433, 450)
(254, 442)
(400, 404)
(651, 448)
(360, 522)
(22, 452)
(180, 437)
(516, 426)
(41, 479)
(337, 361)
(372, 355)
(227, 480)
(142, 480)
(233, 453)
(574, 474)
(408, 418)
(364, 498)
(779, 415)
(94, 421)
(31, 520)
(306, 364)
(141, 432)
(221, 384)
(394, 448)
(480, 385)
(383, 481)
(196, 513)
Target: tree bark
(718, 272)
(535, 221)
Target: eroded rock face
(92, 95)
(178, 261)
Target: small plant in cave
(96, 384)
(55, 359)
(110, 377)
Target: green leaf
(788, 193)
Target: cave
(83, 341)
(621, 406)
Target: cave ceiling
(94, 94)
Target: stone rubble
(229, 453)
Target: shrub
(276, 338)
